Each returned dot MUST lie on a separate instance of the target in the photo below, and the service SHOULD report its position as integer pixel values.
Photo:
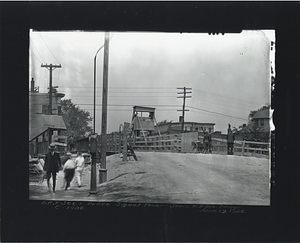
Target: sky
(229, 75)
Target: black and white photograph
(150, 121)
(151, 117)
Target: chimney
(32, 85)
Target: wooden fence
(243, 148)
(177, 143)
(169, 143)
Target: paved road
(178, 178)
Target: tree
(253, 132)
(76, 120)
(256, 134)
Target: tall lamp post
(93, 139)
(95, 60)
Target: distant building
(39, 102)
(175, 127)
(143, 125)
(261, 119)
(44, 128)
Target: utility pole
(183, 106)
(103, 170)
(50, 67)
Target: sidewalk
(74, 193)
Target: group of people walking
(206, 146)
(70, 168)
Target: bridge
(177, 143)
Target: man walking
(79, 168)
(230, 141)
(69, 171)
(52, 166)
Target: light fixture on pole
(93, 143)
(95, 59)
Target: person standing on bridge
(209, 143)
(52, 166)
(230, 140)
(206, 139)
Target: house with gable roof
(45, 128)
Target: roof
(262, 114)
(143, 109)
(42, 123)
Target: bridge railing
(243, 148)
(164, 143)
(179, 143)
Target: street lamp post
(93, 139)
(95, 60)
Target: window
(262, 122)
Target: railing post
(126, 126)
(243, 147)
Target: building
(44, 128)
(143, 121)
(261, 120)
(39, 102)
(175, 127)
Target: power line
(36, 49)
(224, 104)
(219, 97)
(80, 87)
(216, 113)
(35, 56)
(48, 47)
(127, 105)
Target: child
(79, 168)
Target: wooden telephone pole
(103, 170)
(50, 67)
(183, 106)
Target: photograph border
(26, 220)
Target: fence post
(243, 147)
(126, 126)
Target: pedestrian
(79, 168)
(69, 171)
(209, 143)
(72, 143)
(194, 147)
(52, 166)
(206, 141)
(230, 140)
